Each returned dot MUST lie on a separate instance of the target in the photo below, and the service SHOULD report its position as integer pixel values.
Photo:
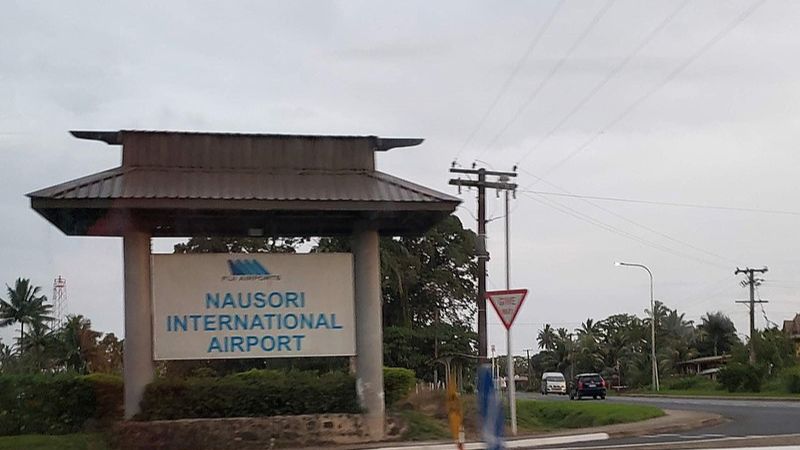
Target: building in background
(792, 328)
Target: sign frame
(491, 294)
(243, 274)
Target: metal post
(653, 333)
(654, 362)
(137, 359)
(369, 330)
(512, 387)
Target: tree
(425, 278)
(109, 354)
(546, 338)
(239, 245)
(24, 305)
(6, 357)
(80, 349)
(40, 348)
(717, 332)
(589, 328)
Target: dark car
(587, 385)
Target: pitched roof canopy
(223, 184)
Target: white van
(553, 383)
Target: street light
(652, 322)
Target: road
(747, 418)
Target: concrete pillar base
(369, 330)
(137, 362)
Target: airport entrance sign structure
(179, 184)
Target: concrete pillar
(137, 363)
(369, 329)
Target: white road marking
(518, 443)
(654, 444)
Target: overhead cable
(535, 93)
(672, 75)
(603, 82)
(511, 76)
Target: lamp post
(652, 322)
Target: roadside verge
(672, 421)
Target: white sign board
(209, 306)
(507, 304)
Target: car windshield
(590, 378)
(555, 378)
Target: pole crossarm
(484, 171)
(485, 184)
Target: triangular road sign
(507, 304)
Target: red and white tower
(59, 301)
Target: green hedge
(57, 404)
(66, 403)
(397, 383)
(738, 377)
(791, 379)
(253, 393)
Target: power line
(663, 203)
(599, 15)
(610, 228)
(644, 227)
(672, 75)
(507, 83)
(613, 73)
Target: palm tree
(546, 338)
(590, 328)
(40, 346)
(6, 356)
(24, 306)
(661, 313)
(80, 344)
(719, 330)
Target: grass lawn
(694, 387)
(535, 416)
(426, 415)
(79, 441)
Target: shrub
(397, 383)
(56, 404)
(738, 377)
(686, 383)
(791, 379)
(252, 393)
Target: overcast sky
(689, 102)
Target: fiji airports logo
(248, 270)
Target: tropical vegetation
(45, 345)
(619, 347)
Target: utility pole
(483, 255)
(752, 281)
(530, 367)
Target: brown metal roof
(145, 183)
(186, 184)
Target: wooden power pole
(751, 281)
(481, 184)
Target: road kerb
(673, 421)
(713, 397)
(515, 443)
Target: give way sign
(507, 303)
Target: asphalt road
(746, 417)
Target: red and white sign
(507, 304)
